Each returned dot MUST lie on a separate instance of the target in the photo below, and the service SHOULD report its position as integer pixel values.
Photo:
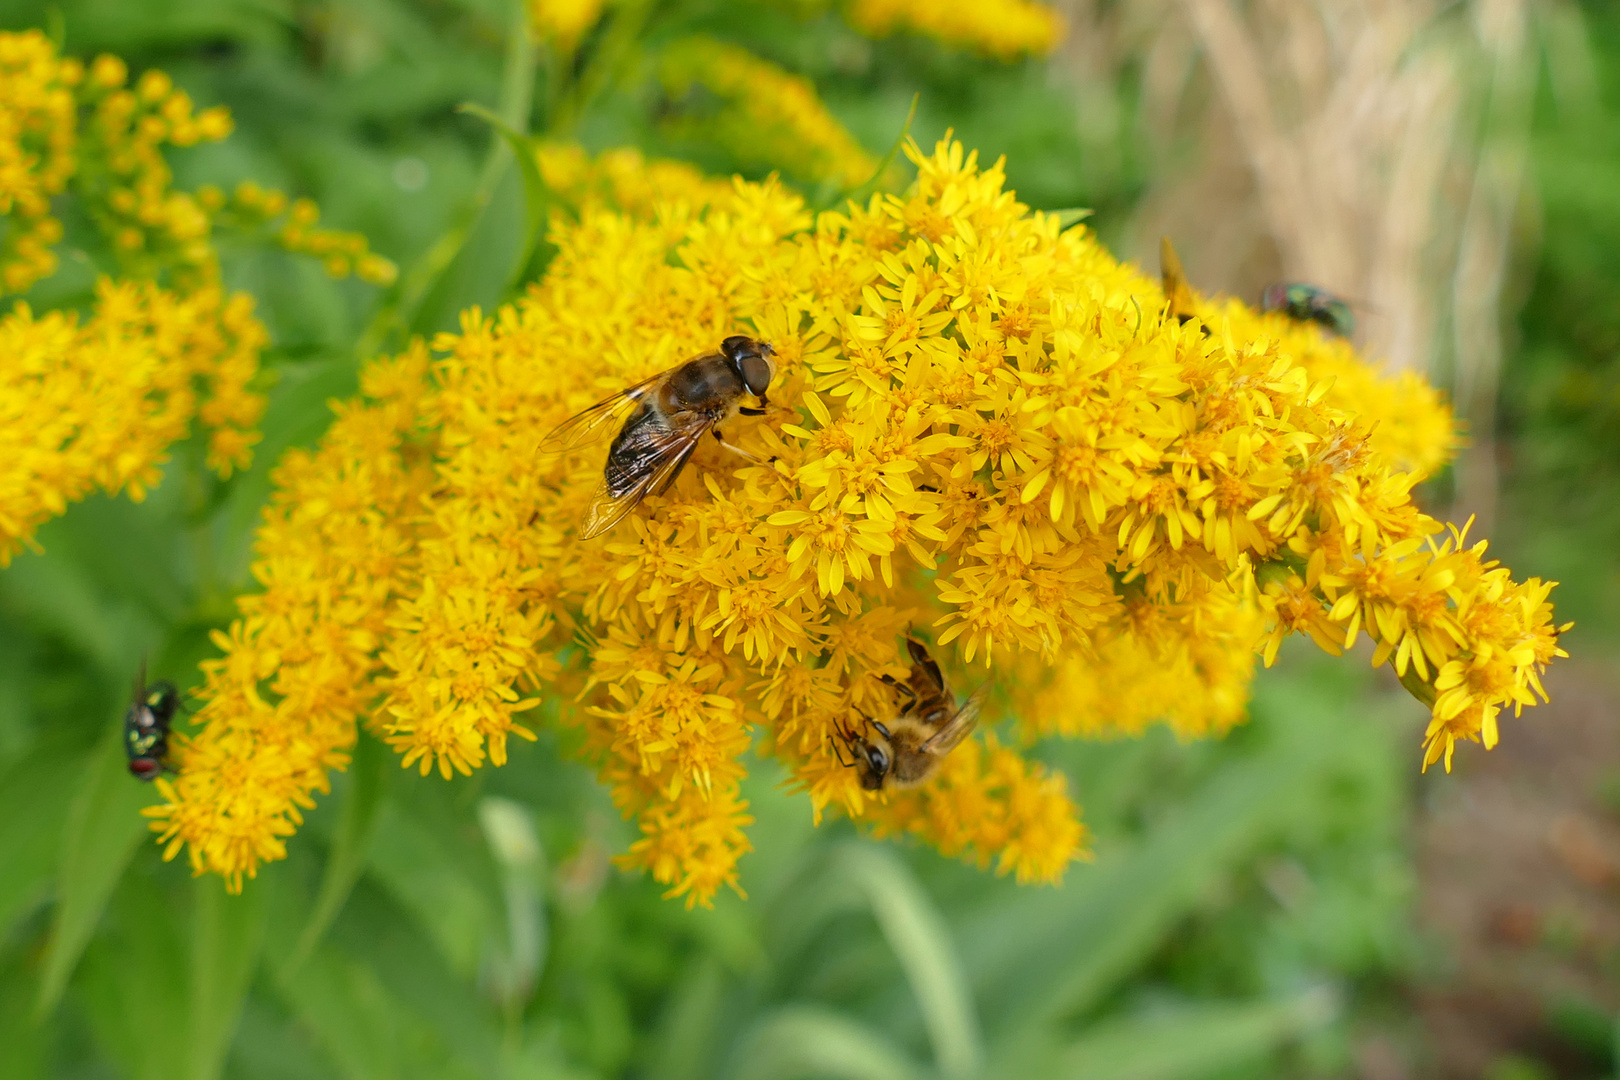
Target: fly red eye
(144, 767)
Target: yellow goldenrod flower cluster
(563, 22)
(94, 402)
(126, 381)
(983, 430)
(624, 179)
(65, 127)
(1005, 29)
(292, 224)
(37, 119)
(759, 113)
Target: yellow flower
(94, 404)
(623, 179)
(563, 22)
(983, 430)
(759, 113)
(1004, 29)
(334, 547)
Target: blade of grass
(103, 827)
(1188, 1044)
(1055, 954)
(35, 795)
(346, 859)
(803, 1042)
(862, 192)
(921, 941)
(399, 310)
(226, 934)
(536, 195)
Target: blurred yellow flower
(983, 428)
(563, 22)
(1005, 29)
(761, 114)
(95, 403)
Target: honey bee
(664, 418)
(909, 748)
(1307, 303)
(146, 726)
(1174, 278)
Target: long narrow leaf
(802, 1042)
(226, 934)
(1055, 953)
(921, 940)
(1190, 1044)
(34, 800)
(103, 827)
(347, 857)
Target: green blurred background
(1293, 901)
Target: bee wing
(959, 726)
(1176, 289)
(654, 469)
(594, 422)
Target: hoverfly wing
(595, 421)
(649, 471)
(1174, 278)
(959, 726)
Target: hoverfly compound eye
(757, 370)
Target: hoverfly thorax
(752, 360)
(660, 422)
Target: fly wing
(1176, 289)
(959, 726)
(647, 469)
(597, 420)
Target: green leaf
(1070, 217)
(864, 191)
(1053, 953)
(805, 1042)
(536, 195)
(132, 980)
(921, 941)
(34, 798)
(1191, 1043)
(428, 873)
(346, 859)
(355, 1019)
(226, 933)
(103, 827)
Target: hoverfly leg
(735, 449)
(743, 410)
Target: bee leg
(735, 449)
(743, 410)
(900, 687)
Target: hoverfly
(664, 419)
(1174, 279)
(909, 748)
(1308, 303)
(146, 726)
